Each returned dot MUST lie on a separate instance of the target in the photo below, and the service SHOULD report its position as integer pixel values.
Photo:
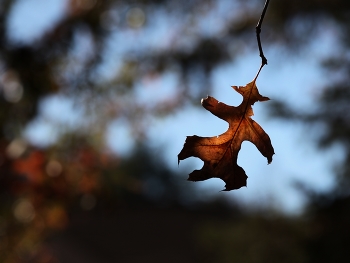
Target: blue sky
(296, 79)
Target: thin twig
(258, 31)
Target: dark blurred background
(81, 179)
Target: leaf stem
(257, 74)
(258, 31)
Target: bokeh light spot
(24, 211)
(11, 87)
(136, 17)
(16, 148)
(54, 168)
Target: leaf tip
(235, 88)
(269, 159)
(227, 189)
(208, 102)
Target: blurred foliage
(254, 239)
(100, 54)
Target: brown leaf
(220, 153)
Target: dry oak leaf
(220, 153)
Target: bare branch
(258, 31)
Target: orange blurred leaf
(31, 167)
(56, 217)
